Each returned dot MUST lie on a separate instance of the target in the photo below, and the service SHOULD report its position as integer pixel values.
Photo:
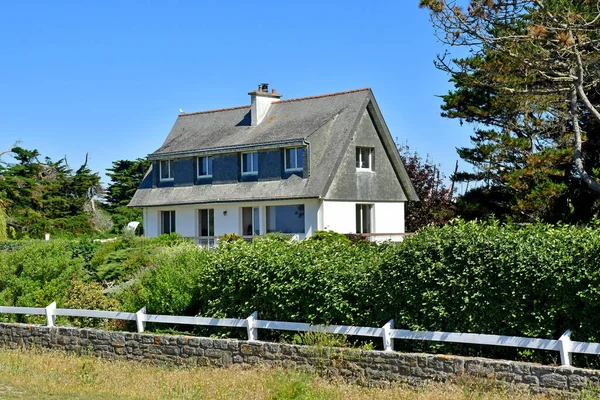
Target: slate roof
(287, 122)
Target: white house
(295, 166)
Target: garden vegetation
(481, 277)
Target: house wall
(380, 184)
(226, 169)
(340, 216)
(227, 217)
(270, 165)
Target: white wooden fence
(387, 333)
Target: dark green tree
(435, 206)
(46, 196)
(530, 87)
(125, 177)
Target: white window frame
(208, 217)
(172, 222)
(254, 170)
(360, 154)
(371, 210)
(170, 175)
(296, 168)
(255, 210)
(198, 162)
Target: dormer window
(294, 159)
(250, 163)
(364, 158)
(205, 167)
(166, 170)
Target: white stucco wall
(227, 217)
(340, 216)
(389, 217)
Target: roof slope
(327, 121)
(230, 128)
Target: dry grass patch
(49, 374)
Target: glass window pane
(246, 162)
(172, 222)
(255, 162)
(247, 221)
(164, 169)
(203, 222)
(291, 158)
(286, 219)
(211, 222)
(201, 169)
(287, 158)
(300, 158)
(365, 219)
(256, 221)
(209, 169)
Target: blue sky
(108, 78)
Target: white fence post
(140, 319)
(252, 331)
(566, 357)
(388, 342)
(50, 316)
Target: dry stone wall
(360, 366)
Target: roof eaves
(226, 149)
(389, 144)
(220, 201)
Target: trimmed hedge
(534, 281)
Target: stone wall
(364, 367)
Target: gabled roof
(229, 129)
(330, 119)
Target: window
(166, 170)
(205, 167)
(286, 219)
(363, 218)
(364, 158)
(167, 222)
(250, 221)
(206, 222)
(250, 163)
(294, 159)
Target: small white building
(294, 166)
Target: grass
(57, 375)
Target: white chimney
(261, 100)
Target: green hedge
(535, 281)
(465, 277)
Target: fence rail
(387, 333)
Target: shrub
(38, 274)
(89, 296)
(535, 281)
(229, 237)
(330, 236)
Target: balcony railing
(212, 241)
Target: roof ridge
(277, 102)
(322, 95)
(213, 111)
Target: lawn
(56, 375)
